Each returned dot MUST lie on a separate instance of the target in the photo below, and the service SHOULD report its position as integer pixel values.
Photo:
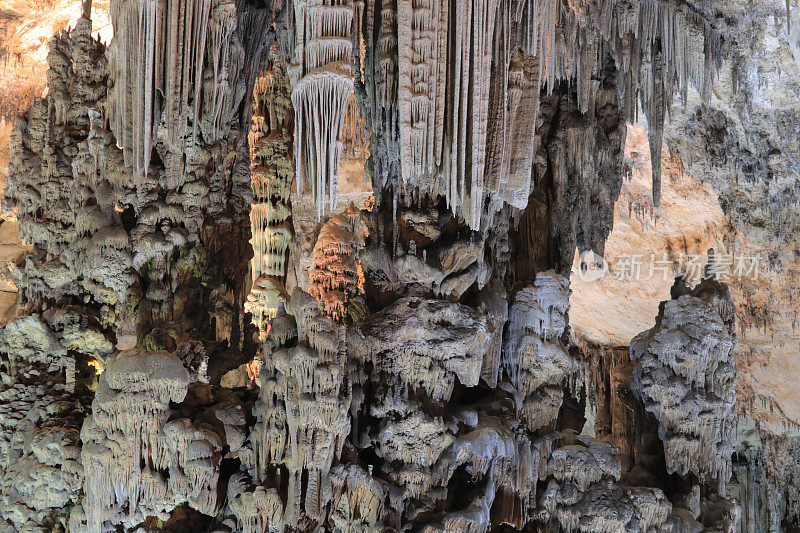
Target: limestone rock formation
(322, 85)
(534, 356)
(271, 168)
(212, 335)
(335, 269)
(40, 444)
(426, 344)
(686, 378)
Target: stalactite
(422, 42)
(354, 138)
(511, 139)
(466, 156)
(538, 20)
(133, 110)
(271, 176)
(436, 407)
(321, 96)
(451, 163)
(320, 101)
(222, 94)
(381, 82)
(271, 239)
(187, 55)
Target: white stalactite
(184, 52)
(321, 95)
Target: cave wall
(214, 335)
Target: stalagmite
(427, 343)
(334, 275)
(271, 178)
(129, 439)
(90, 222)
(256, 511)
(41, 474)
(534, 357)
(690, 348)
